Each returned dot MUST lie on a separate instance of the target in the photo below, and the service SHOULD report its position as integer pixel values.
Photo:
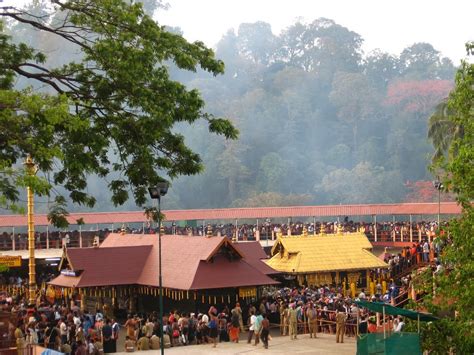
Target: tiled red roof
(253, 254)
(221, 274)
(65, 281)
(133, 259)
(232, 214)
(105, 266)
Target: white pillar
(257, 232)
(411, 230)
(47, 237)
(80, 236)
(236, 230)
(375, 227)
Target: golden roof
(323, 253)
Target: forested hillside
(320, 121)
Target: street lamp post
(156, 192)
(31, 170)
(438, 186)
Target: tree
(231, 167)
(272, 173)
(118, 99)
(424, 191)
(418, 96)
(421, 60)
(380, 68)
(442, 131)
(455, 289)
(256, 42)
(362, 184)
(322, 46)
(355, 100)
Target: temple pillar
(132, 304)
(257, 235)
(353, 289)
(83, 301)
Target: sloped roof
(243, 213)
(188, 263)
(323, 253)
(221, 273)
(255, 256)
(99, 266)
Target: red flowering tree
(424, 191)
(417, 96)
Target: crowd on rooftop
(385, 231)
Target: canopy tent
(392, 343)
(379, 307)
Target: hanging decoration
(247, 292)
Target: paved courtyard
(324, 344)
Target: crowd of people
(424, 252)
(295, 311)
(386, 231)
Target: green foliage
(442, 130)
(363, 184)
(117, 98)
(4, 268)
(307, 102)
(454, 290)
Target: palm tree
(442, 130)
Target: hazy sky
(389, 25)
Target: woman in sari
(234, 329)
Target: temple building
(326, 259)
(196, 271)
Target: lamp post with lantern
(156, 192)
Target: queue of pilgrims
(296, 312)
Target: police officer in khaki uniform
(312, 317)
(341, 318)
